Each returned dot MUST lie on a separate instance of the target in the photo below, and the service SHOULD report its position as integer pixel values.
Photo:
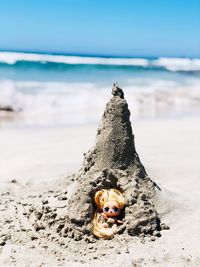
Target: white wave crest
(178, 64)
(171, 64)
(13, 57)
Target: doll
(109, 204)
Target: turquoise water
(52, 90)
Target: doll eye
(115, 209)
(106, 209)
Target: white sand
(169, 150)
(43, 154)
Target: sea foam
(63, 103)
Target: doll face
(111, 209)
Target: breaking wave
(62, 103)
(170, 64)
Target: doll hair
(100, 198)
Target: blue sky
(105, 27)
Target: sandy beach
(99, 133)
(40, 160)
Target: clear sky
(105, 27)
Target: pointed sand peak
(114, 148)
(117, 91)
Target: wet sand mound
(114, 163)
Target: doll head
(109, 201)
(111, 209)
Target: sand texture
(48, 223)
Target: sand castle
(113, 163)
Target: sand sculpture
(113, 163)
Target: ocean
(48, 90)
